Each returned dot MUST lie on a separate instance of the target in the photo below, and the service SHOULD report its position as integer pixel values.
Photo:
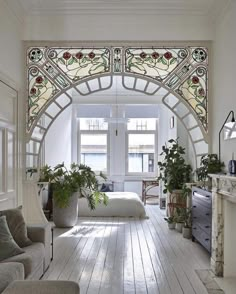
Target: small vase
(232, 167)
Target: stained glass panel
(156, 63)
(194, 91)
(53, 70)
(77, 63)
(41, 90)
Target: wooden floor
(126, 255)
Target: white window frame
(94, 132)
(130, 132)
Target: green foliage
(183, 215)
(209, 164)
(170, 219)
(80, 178)
(174, 172)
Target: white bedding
(119, 204)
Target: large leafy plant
(79, 178)
(209, 164)
(173, 169)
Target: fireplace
(223, 258)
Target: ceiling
(208, 8)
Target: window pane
(141, 149)
(93, 124)
(142, 124)
(93, 151)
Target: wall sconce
(232, 120)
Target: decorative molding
(105, 7)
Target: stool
(42, 287)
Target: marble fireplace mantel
(223, 193)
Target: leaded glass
(41, 90)
(194, 91)
(156, 63)
(77, 63)
(53, 71)
(117, 60)
(59, 78)
(36, 56)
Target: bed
(124, 204)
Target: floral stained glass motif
(77, 63)
(52, 71)
(156, 63)
(41, 90)
(194, 91)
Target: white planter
(171, 226)
(187, 233)
(179, 227)
(66, 217)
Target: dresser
(202, 217)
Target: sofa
(27, 262)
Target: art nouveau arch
(53, 72)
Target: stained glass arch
(54, 71)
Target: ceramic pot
(171, 226)
(67, 216)
(187, 233)
(179, 227)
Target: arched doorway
(54, 71)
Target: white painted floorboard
(128, 255)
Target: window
(93, 143)
(141, 145)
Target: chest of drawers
(202, 217)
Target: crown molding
(118, 7)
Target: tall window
(141, 145)
(93, 143)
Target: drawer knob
(194, 228)
(207, 227)
(207, 239)
(194, 206)
(208, 213)
(194, 217)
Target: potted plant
(174, 172)
(171, 222)
(179, 218)
(67, 186)
(187, 224)
(209, 164)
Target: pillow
(17, 226)
(8, 246)
(105, 188)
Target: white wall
(12, 71)
(124, 27)
(223, 87)
(58, 140)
